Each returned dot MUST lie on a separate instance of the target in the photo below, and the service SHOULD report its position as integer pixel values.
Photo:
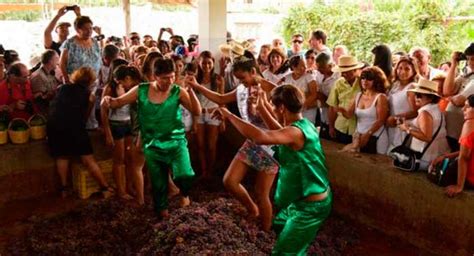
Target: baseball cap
(60, 24)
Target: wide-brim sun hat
(233, 48)
(425, 86)
(347, 63)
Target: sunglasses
(297, 41)
(367, 76)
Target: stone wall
(366, 188)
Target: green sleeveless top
(161, 127)
(303, 172)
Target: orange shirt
(468, 141)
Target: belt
(317, 197)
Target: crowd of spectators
(370, 107)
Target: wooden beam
(126, 12)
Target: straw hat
(425, 86)
(234, 48)
(347, 63)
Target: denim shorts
(120, 129)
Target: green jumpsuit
(164, 144)
(302, 173)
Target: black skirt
(68, 143)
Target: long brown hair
(413, 64)
(380, 82)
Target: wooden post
(126, 11)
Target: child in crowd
(162, 131)
(118, 125)
(302, 191)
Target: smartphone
(70, 8)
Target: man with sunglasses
(296, 46)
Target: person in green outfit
(302, 191)
(162, 131)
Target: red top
(468, 141)
(16, 93)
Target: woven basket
(37, 132)
(19, 137)
(3, 137)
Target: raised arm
(127, 98)
(218, 98)
(189, 100)
(48, 38)
(289, 135)
(449, 86)
(312, 95)
(263, 107)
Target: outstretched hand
(221, 113)
(190, 81)
(106, 101)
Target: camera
(461, 56)
(71, 7)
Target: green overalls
(164, 144)
(302, 173)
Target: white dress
(366, 118)
(325, 86)
(268, 75)
(302, 84)
(398, 103)
(440, 144)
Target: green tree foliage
(399, 24)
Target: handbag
(371, 146)
(407, 159)
(444, 173)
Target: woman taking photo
(66, 127)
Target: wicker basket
(37, 132)
(3, 137)
(84, 184)
(18, 137)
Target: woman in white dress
(401, 101)
(306, 83)
(371, 109)
(277, 67)
(429, 125)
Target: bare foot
(254, 212)
(185, 201)
(173, 191)
(125, 196)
